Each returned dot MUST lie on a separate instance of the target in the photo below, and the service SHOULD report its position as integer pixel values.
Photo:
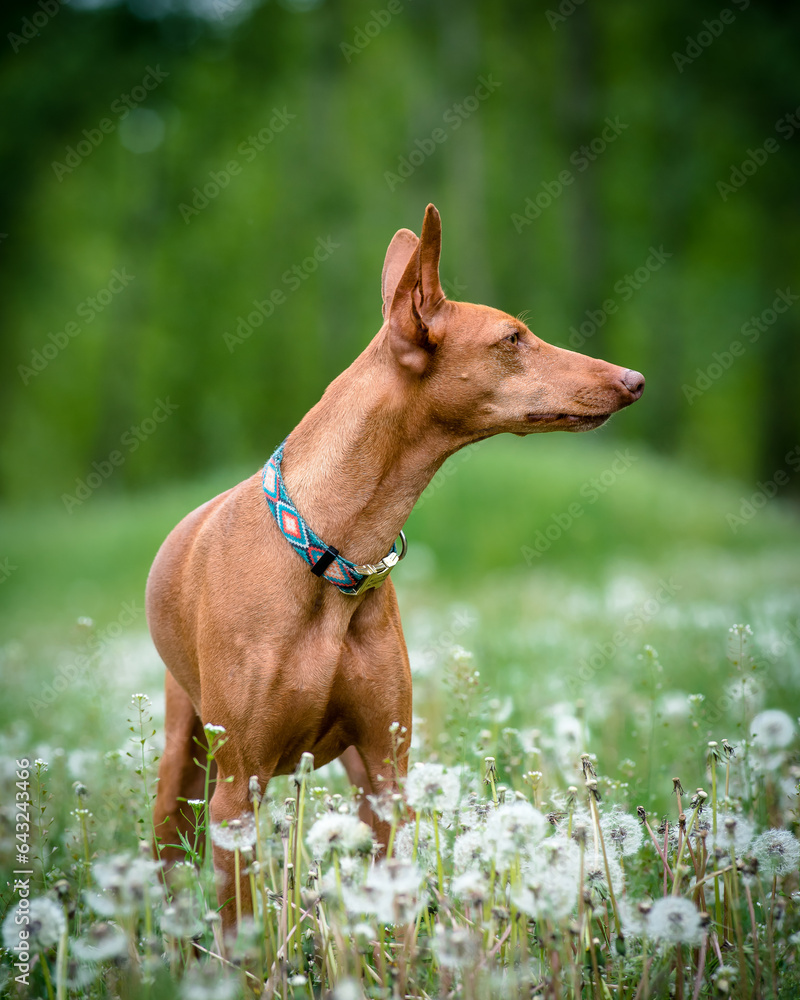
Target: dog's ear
(417, 295)
(404, 244)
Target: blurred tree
(242, 168)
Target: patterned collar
(323, 559)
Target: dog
(271, 605)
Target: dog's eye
(513, 338)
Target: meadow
(593, 629)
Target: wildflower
(471, 887)
(512, 830)
(46, 924)
(734, 833)
(339, 832)
(432, 787)
(777, 851)
(391, 892)
(455, 946)
(213, 730)
(624, 832)
(772, 729)
(426, 844)
(469, 850)
(181, 919)
(124, 882)
(596, 876)
(235, 834)
(80, 975)
(103, 941)
(209, 982)
(674, 920)
(347, 988)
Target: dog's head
(480, 369)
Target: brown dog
(258, 642)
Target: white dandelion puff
(46, 923)
(734, 833)
(124, 881)
(102, 942)
(674, 920)
(432, 787)
(623, 831)
(777, 852)
(341, 833)
(235, 834)
(391, 892)
(772, 729)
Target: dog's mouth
(567, 421)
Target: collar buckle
(375, 574)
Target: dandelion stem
(439, 868)
(46, 973)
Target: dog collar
(324, 560)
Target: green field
(592, 586)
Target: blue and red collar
(324, 560)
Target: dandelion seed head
(46, 924)
(674, 920)
(777, 852)
(623, 831)
(124, 881)
(471, 887)
(734, 833)
(102, 943)
(235, 834)
(432, 787)
(341, 833)
(469, 850)
(772, 729)
(455, 946)
(209, 982)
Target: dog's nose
(633, 382)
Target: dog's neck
(359, 460)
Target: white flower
(391, 892)
(455, 946)
(623, 831)
(432, 787)
(772, 729)
(45, 925)
(209, 982)
(734, 832)
(777, 851)
(102, 942)
(124, 881)
(235, 834)
(674, 920)
(469, 850)
(513, 830)
(426, 844)
(472, 887)
(339, 832)
(182, 919)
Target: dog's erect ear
(417, 294)
(404, 244)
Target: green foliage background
(356, 112)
